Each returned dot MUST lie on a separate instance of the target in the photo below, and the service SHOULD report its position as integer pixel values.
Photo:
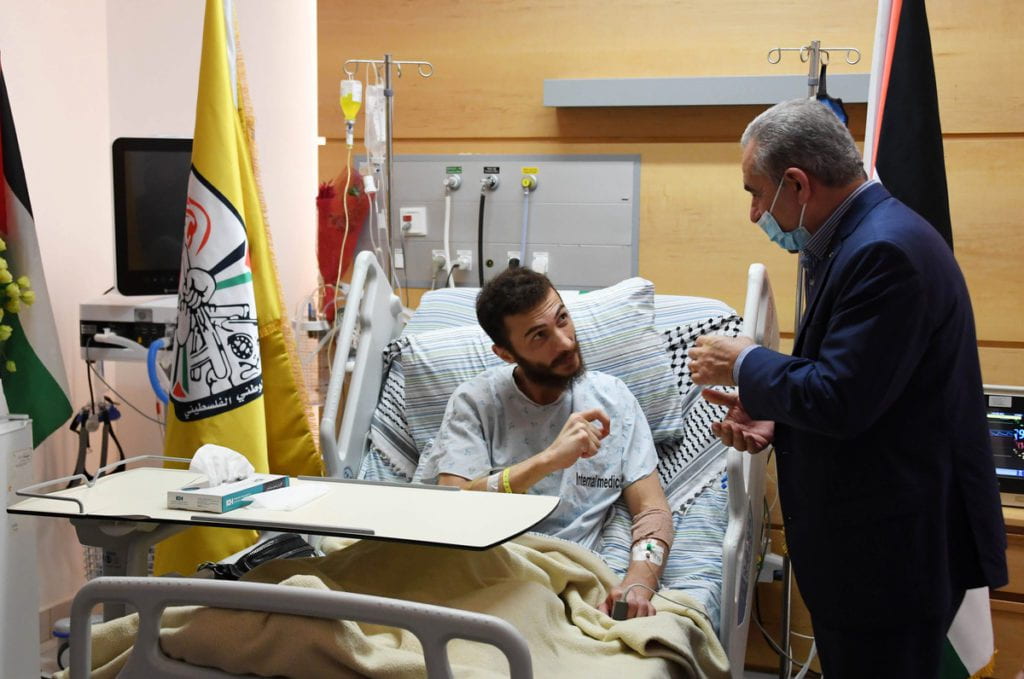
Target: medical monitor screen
(150, 188)
(1006, 430)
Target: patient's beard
(544, 375)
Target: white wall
(83, 73)
(55, 64)
(279, 46)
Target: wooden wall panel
(984, 176)
(977, 47)
(1008, 620)
(491, 58)
(1001, 365)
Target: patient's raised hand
(578, 438)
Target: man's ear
(503, 353)
(802, 182)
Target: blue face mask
(794, 240)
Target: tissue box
(226, 496)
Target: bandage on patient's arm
(654, 523)
(652, 540)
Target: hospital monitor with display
(1004, 407)
(150, 189)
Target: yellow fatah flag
(236, 381)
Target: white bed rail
(434, 626)
(371, 320)
(746, 479)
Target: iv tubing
(389, 114)
(344, 238)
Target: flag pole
(872, 123)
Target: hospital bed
(727, 506)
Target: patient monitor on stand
(150, 181)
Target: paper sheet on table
(288, 498)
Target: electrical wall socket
(772, 568)
(413, 221)
(464, 258)
(399, 258)
(540, 262)
(513, 254)
(434, 254)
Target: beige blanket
(547, 588)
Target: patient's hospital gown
(490, 424)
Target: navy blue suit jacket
(886, 475)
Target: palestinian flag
(903, 137)
(903, 148)
(31, 370)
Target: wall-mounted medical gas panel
(583, 214)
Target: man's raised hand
(578, 438)
(738, 429)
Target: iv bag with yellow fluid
(351, 98)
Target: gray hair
(803, 133)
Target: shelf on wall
(734, 90)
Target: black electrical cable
(123, 399)
(110, 426)
(88, 364)
(120, 450)
(480, 238)
(92, 399)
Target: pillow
(443, 308)
(615, 330)
(455, 307)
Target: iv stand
(425, 70)
(815, 55)
(812, 54)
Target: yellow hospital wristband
(504, 479)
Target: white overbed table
(126, 513)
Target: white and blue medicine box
(226, 496)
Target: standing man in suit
(886, 476)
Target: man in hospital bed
(545, 425)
